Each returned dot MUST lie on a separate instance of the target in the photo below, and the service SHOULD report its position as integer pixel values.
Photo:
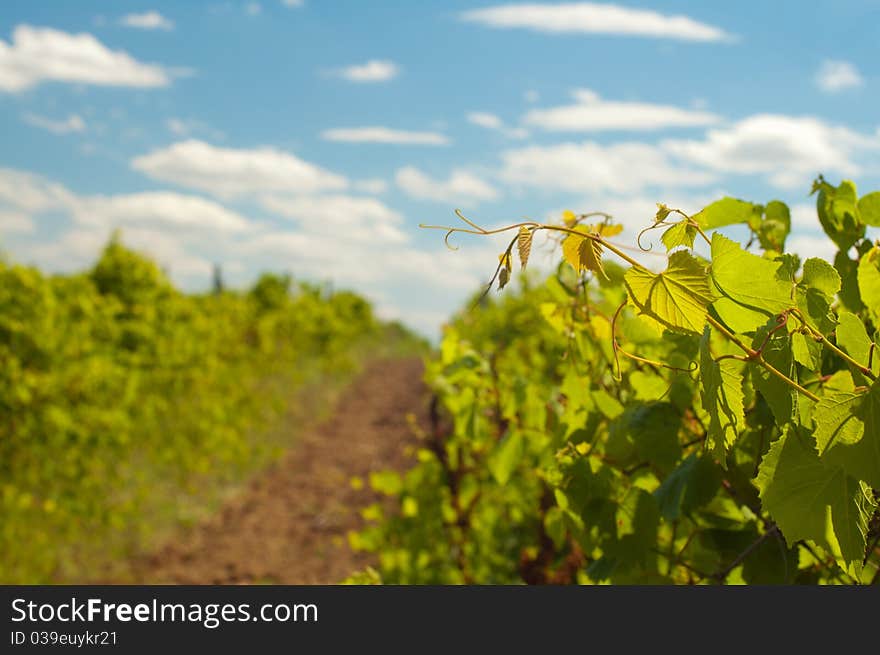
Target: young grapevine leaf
(524, 245)
(722, 396)
(853, 338)
(753, 288)
(869, 209)
(838, 212)
(852, 436)
(727, 211)
(773, 230)
(809, 500)
(816, 292)
(680, 234)
(678, 298)
(582, 252)
(849, 294)
(691, 485)
(780, 396)
(869, 281)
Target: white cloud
(804, 217)
(79, 247)
(15, 222)
(158, 208)
(590, 113)
(531, 96)
(789, 150)
(484, 119)
(375, 70)
(31, 194)
(834, 76)
(185, 127)
(340, 217)
(38, 55)
(371, 185)
(376, 134)
(808, 245)
(293, 4)
(493, 122)
(589, 167)
(253, 9)
(34, 195)
(72, 123)
(593, 18)
(461, 189)
(149, 20)
(230, 172)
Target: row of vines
(122, 400)
(715, 422)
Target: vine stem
(758, 358)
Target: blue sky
(314, 136)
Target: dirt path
(289, 526)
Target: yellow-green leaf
(583, 252)
(678, 297)
(524, 245)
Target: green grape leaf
(727, 211)
(820, 275)
(838, 212)
(806, 351)
(815, 294)
(853, 338)
(653, 429)
(680, 234)
(780, 396)
(721, 392)
(754, 288)
(691, 485)
(850, 433)
(849, 284)
(869, 209)
(678, 298)
(836, 421)
(809, 500)
(506, 457)
(775, 227)
(869, 281)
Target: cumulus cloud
(789, 150)
(375, 70)
(378, 134)
(149, 20)
(461, 188)
(42, 54)
(13, 222)
(594, 18)
(171, 227)
(589, 167)
(34, 195)
(72, 123)
(293, 4)
(230, 172)
(337, 216)
(590, 113)
(835, 75)
(371, 185)
(494, 123)
(185, 127)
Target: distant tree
(218, 279)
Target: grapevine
(714, 422)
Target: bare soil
(289, 525)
